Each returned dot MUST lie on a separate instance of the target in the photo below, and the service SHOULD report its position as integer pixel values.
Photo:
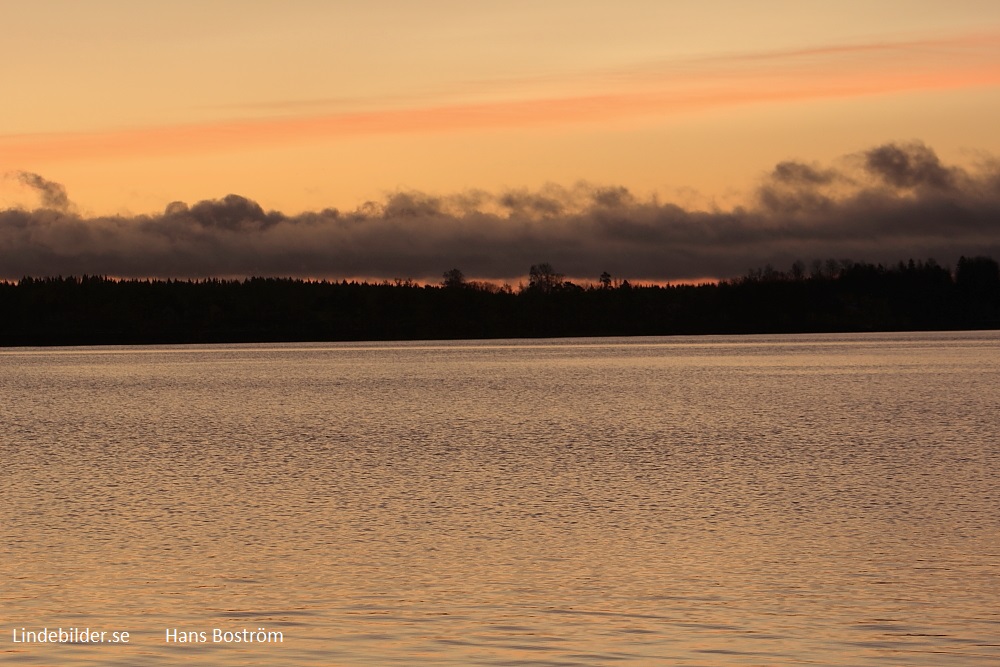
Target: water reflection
(759, 500)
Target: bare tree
(542, 277)
(453, 278)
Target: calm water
(678, 501)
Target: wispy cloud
(53, 195)
(881, 205)
(653, 90)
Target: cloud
(911, 166)
(888, 203)
(798, 173)
(53, 195)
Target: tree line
(825, 296)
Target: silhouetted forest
(826, 296)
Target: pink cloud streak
(833, 72)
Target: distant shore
(831, 297)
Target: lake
(759, 500)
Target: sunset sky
(113, 110)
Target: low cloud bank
(891, 202)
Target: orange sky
(305, 105)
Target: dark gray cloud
(53, 195)
(911, 166)
(798, 173)
(896, 202)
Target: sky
(397, 139)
